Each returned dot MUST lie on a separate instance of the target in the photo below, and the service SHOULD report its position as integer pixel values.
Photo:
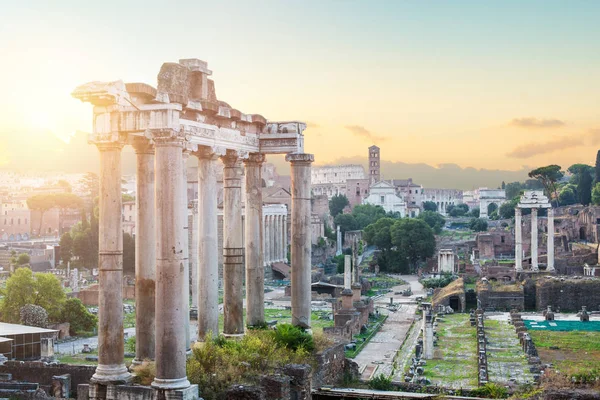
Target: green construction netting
(564, 326)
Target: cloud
(591, 138)
(312, 125)
(535, 123)
(361, 131)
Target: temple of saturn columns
(533, 200)
(181, 117)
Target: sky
(495, 86)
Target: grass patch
(372, 329)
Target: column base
(171, 384)
(116, 374)
(233, 335)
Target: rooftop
(15, 329)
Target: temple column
(145, 251)
(277, 233)
(550, 243)
(267, 235)
(255, 271)
(285, 240)
(534, 239)
(233, 266)
(111, 366)
(518, 241)
(193, 259)
(186, 250)
(301, 238)
(282, 238)
(208, 245)
(171, 282)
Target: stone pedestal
(208, 246)
(255, 272)
(171, 282)
(111, 366)
(518, 241)
(301, 239)
(347, 299)
(145, 251)
(233, 267)
(534, 240)
(550, 266)
(356, 289)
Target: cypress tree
(597, 180)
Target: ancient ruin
(534, 200)
(183, 116)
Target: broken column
(534, 240)
(208, 246)
(301, 238)
(338, 242)
(255, 271)
(550, 244)
(171, 282)
(356, 286)
(427, 331)
(347, 295)
(145, 250)
(233, 252)
(111, 366)
(518, 241)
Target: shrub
(438, 282)
(491, 390)
(381, 382)
(144, 373)
(81, 320)
(130, 345)
(33, 315)
(292, 337)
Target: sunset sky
(485, 84)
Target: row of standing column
(534, 240)
(275, 239)
(162, 268)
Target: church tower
(374, 165)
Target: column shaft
(285, 239)
(276, 232)
(534, 239)
(111, 367)
(255, 270)
(208, 245)
(550, 266)
(145, 251)
(186, 250)
(233, 267)
(518, 241)
(170, 269)
(267, 236)
(301, 239)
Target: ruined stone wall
(501, 301)
(41, 373)
(568, 294)
(331, 364)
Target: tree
(66, 248)
(459, 210)
(597, 168)
(434, 220)
(128, 254)
(584, 189)
(24, 287)
(90, 184)
(430, 206)
(40, 203)
(478, 225)
(346, 222)
(75, 313)
(66, 201)
(474, 212)
(21, 260)
(414, 239)
(567, 195)
(503, 185)
(127, 197)
(366, 214)
(596, 194)
(337, 204)
(32, 315)
(507, 210)
(65, 185)
(379, 234)
(548, 176)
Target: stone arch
(491, 207)
(582, 233)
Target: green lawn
(455, 357)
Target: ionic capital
(166, 137)
(209, 152)
(142, 145)
(255, 159)
(300, 158)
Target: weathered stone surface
(240, 392)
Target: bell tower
(374, 165)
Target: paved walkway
(377, 356)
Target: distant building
(442, 198)
(333, 180)
(129, 216)
(487, 197)
(384, 194)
